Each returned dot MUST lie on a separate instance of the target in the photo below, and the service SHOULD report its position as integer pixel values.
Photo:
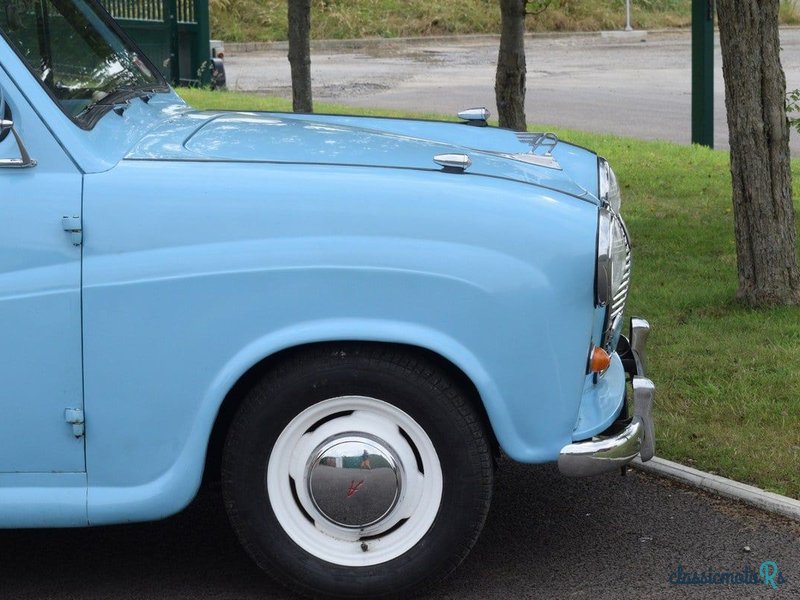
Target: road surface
(630, 88)
(547, 536)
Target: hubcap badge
(354, 480)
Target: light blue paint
(214, 240)
(602, 401)
(580, 163)
(279, 138)
(40, 303)
(281, 248)
(43, 500)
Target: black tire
(405, 381)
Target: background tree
(755, 98)
(299, 17)
(509, 84)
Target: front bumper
(628, 438)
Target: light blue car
(342, 319)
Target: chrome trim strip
(603, 279)
(540, 160)
(604, 183)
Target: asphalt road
(631, 88)
(546, 537)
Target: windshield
(76, 54)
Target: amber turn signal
(599, 360)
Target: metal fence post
(171, 18)
(628, 16)
(703, 72)
(202, 51)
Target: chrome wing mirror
(6, 127)
(24, 159)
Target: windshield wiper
(118, 100)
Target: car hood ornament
(547, 141)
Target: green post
(171, 17)
(201, 52)
(703, 72)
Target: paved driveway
(636, 89)
(546, 537)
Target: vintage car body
(160, 260)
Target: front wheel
(357, 471)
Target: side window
(19, 22)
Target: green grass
(265, 20)
(728, 391)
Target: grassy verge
(265, 20)
(728, 391)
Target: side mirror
(24, 160)
(6, 128)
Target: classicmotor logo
(767, 574)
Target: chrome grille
(621, 295)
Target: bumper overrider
(626, 438)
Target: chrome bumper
(603, 454)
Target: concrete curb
(367, 43)
(774, 503)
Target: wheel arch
(257, 371)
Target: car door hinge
(74, 416)
(74, 227)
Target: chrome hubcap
(354, 480)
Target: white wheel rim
(297, 452)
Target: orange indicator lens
(599, 361)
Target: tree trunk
(755, 96)
(300, 54)
(509, 86)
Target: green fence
(174, 34)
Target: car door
(40, 297)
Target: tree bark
(300, 54)
(755, 96)
(509, 86)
